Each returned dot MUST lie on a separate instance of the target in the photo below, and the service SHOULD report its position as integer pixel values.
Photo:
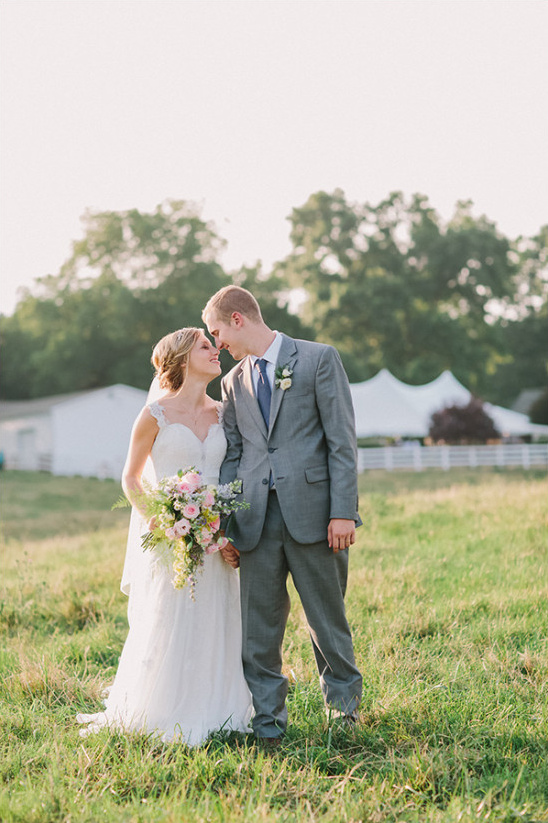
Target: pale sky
(246, 107)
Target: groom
(289, 424)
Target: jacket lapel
(287, 357)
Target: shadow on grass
(436, 762)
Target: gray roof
(29, 408)
(10, 409)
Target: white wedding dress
(180, 673)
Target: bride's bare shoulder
(163, 400)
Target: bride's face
(203, 359)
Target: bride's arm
(143, 436)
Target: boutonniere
(283, 377)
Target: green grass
(448, 600)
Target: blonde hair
(170, 357)
(230, 299)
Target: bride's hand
(231, 555)
(152, 523)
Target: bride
(180, 673)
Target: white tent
(386, 407)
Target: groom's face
(227, 335)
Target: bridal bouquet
(188, 516)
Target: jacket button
(265, 481)
(270, 450)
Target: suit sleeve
(337, 415)
(229, 468)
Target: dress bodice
(177, 447)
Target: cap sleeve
(158, 413)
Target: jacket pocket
(316, 473)
(299, 393)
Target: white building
(86, 433)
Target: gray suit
(309, 451)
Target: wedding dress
(180, 673)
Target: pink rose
(191, 510)
(170, 533)
(215, 525)
(189, 482)
(181, 528)
(223, 541)
(209, 499)
(205, 537)
(213, 547)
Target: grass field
(448, 601)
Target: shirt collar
(271, 354)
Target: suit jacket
(309, 446)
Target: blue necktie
(264, 392)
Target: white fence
(417, 457)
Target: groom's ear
(237, 319)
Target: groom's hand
(341, 534)
(231, 555)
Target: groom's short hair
(230, 299)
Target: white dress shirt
(271, 356)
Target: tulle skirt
(180, 673)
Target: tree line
(390, 285)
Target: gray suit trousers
(320, 578)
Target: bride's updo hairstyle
(170, 357)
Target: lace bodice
(177, 447)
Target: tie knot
(262, 366)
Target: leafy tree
(80, 340)
(530, 282)
(523, 323)
(523, 357)
(391, 286)
(463, 424)
(145, 250)
(132, 278)
(18, 346)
